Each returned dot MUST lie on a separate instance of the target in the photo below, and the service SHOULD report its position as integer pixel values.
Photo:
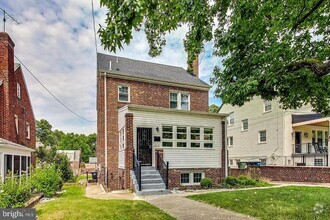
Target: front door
(144, 146)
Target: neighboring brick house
(261, 132)
(17, 123)
(154, 108)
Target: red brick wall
(12, 105)
(216, 174)
(142, 94)
(290, 174)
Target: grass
(83, 177)
(293, 202)
(74, 205)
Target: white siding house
(261, 131)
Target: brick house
(154, 114)
(17, 123)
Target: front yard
(74, 205)
(294, 202)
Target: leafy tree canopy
(273, 49)
(214, 108)
(59, 140)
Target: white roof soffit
(323, 122)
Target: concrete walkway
(182, 208)
(95, 191)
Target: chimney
(6, 55)
(193, 67)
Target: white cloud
(55, 40)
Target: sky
(55, 41)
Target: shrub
(231, 181)
(14, 192)
(206, 182)
(244, 181)
(62, 163)
(47, 180)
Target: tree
(272, 49)
(214, 108)
(45, 133)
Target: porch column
(129, 149)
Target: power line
(57, 99)
(94, 26)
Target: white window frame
(191, 178)
(231, 119)
(230, 141)
(18, 90)
(263, 162)
(128, 91)
(122, 138)
(259, 136)
(231, 162)
(16, 123)
(179, 100)
(203, 143)
(247, 124)
(266, 105)
(28, 131)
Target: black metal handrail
(162, 168)
(137, 170)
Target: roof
(170, 110)
(323, 122)
(136, 69)
(4, 142)
(304, 117)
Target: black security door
(144, 146)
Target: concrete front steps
(151, 182)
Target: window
(231, 162)
(320, 138)
(230, 118)
(208, 134)
(18, 90)
(326, 136)
(318, 162)
(8, 164)
(123, 93)
(230, 141)
(28, 131)
(192, 178)
(167, 132)
(24, 164)
(262, 136)
(184, 178)
(173, 100)
(267, 106)
(237, 161)
(197, 177)
(245, 125)
(181, 133)
(122, 138)
(16, 165)
(16, 123)
(184, 137)
(195, 134)
(263, 162)
(179, 100)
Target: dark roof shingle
(147, 70)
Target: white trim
(18, 85)
(259, 136)
(179, 99)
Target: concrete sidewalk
(182, 208)
(95, 191)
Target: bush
(243, 181)
(47, 180)
(14, 192)
(62, 163)
(206, 182)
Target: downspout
(226, 151)
(105, 132)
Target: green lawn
(274, 203)
(74, 205)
